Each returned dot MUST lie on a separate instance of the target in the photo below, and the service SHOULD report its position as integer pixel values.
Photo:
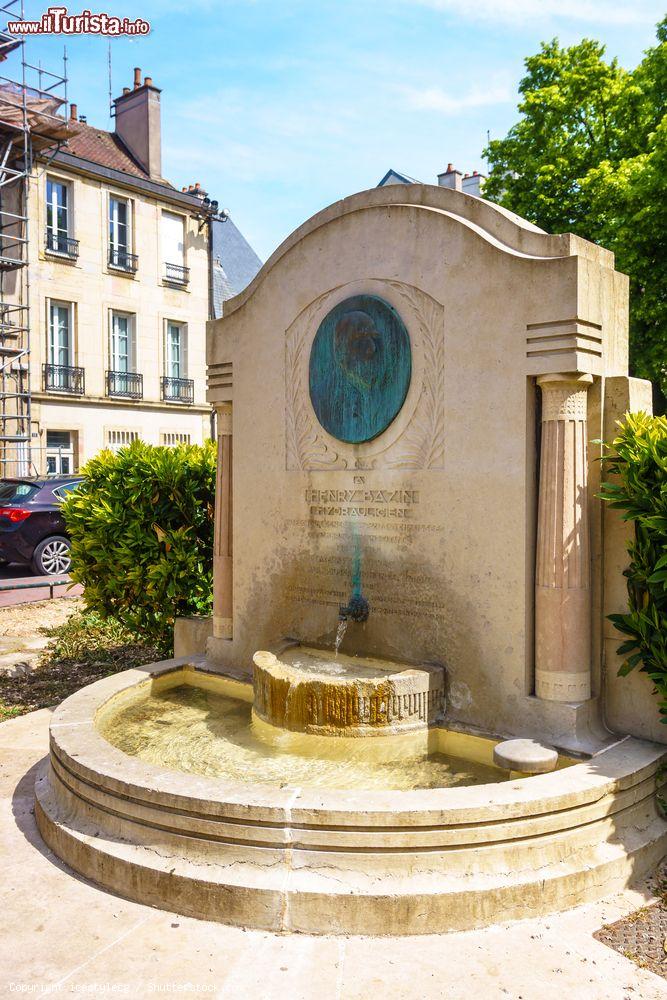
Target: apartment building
(120, 291)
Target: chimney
(451, 178)
(474, 184)
(73, 112)
(138, 123)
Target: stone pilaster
(222, 545)
(563, 571)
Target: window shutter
(172, 238)
(184, 351)
(132, 332)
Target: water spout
(357, 608)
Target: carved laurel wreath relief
(421, 443)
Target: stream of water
(340, 635)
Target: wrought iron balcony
(178, 390)
(176, 274)
(123, 260)
(64, 246)
(64, 378)
(127, 384)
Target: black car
(32, 528)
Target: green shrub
(141, 525)
(638, 458)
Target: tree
(589, 155)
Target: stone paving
(62, 936)
(22, 628)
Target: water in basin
(206, 732)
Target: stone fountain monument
(422, 375)
(408, 546)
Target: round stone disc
(360, 368)
(525, 755)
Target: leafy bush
(141, 525)
(638, 458)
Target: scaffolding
(30, 125)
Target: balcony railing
(64, 246)
(127, 384)
(64, 378)
(178, 390)
(123, 260)
(176, 274)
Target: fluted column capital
(564, 397)
(223, 418)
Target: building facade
(120, 292)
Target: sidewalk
(64, 935)
(21, 576)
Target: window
(176, 386)
(173, 248)
(173, 438)
(59, 452)
(122, 377)
(61, 353)
(120, 235)
(175, 354)
(117, 439)
(62, 491)
(10, 492)
(57, 216)
(121, 348)
(60, 373)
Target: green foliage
(589, 156)
(142, 536)
(638, 461)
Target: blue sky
(279, 109)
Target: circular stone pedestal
(525, 756)
(309, 690)
(322, 861)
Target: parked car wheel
(52, 556)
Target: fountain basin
(331, 860)
(307, 690)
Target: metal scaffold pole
(31, 123)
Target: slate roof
(394, 177)
(235, 263)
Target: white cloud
(449, 102)
(521, 11)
